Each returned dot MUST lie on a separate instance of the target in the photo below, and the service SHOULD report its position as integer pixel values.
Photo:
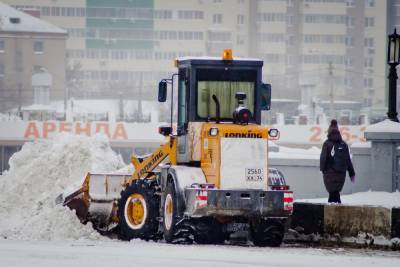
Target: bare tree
(74, 80)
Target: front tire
(177, 230)
(138, 211)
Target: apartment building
(309, 47)
(32, 60)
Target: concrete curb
(347, 221)
(308, 217)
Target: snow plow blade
(97, 199)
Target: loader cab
(215, 90)
(205, 82)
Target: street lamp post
(393, 61)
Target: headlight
(213, 131)
(274, 133)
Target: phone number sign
(317, 134)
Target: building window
(190, 14)
(328, 39)
(368, 82)
(348, 61)
(271, 17)
(350, 21)
(1, 70)
(240, 19)
(349, 41)
(1, 46)
(350, 3)
(369, 22)
(45, 11)
(325, 59)
(369, 62)
(55, 11)
(38, 47)
(369, 42)
(290, 20)
(323, 18)
(290, 59)
(271, 37)
(217, 19)
(82, 12)
(290, 40)
(37, 69)
(220, 36)
(179, 35)
(240, 40)
(370, 3)
(163, 14)
(348, 81)
(273, 58)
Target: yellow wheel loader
(211, 178)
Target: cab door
(182, 123)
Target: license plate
(254, 174)
(236, 227)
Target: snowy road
(140, 253)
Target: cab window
(224, 83)
(225, 91)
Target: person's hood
(334, 135)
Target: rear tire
(177, 230)
(268, 233)
(138, 211)
(208, 231)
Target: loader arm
(151, 162)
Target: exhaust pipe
(217, 108)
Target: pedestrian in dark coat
(334, 176)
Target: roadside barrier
(347, 221)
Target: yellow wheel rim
(135, 211)
(168, 211)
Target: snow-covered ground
(141, 253)
(382, 199)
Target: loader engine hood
(235, 156)
(244, 163)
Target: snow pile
(382, 199)
(362, 144)
(386, 126)
(38, 174)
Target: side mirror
(265, 96)
(162, 91)
(165, 130)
